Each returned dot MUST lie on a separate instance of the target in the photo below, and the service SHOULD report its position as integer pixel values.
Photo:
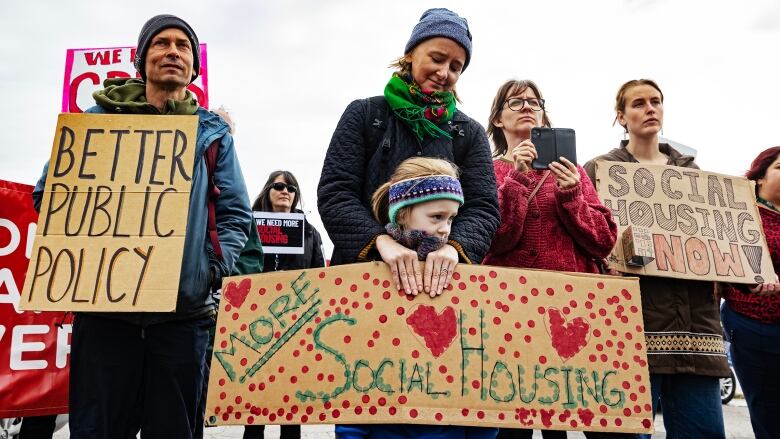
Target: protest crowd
(410, 180)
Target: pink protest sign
(86, 69)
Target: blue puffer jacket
(234, 217)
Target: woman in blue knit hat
(416, 116)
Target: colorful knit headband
(419, 190)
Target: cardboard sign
(501, 347)
(86, 69)
(686, 223)
(34, 347)
(281, 233)
(111, 232)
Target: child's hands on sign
(565, 173)
(439, 266)
(403, 264)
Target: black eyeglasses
(279, 186)
(516, 104)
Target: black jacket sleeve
(317, 258)
(349, 223)
(478, 218)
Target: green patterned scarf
(123, 95)
(421, 110)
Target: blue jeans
(691, 405)
(755, 354)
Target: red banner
(34, 346)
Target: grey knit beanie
(441, 22)
(154, 26)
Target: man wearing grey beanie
(135, 371)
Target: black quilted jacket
(353, 169)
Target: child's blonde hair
(414, 167)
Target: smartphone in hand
(552, 143)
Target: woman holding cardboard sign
(281, 193)
(416, 116)
(751, 315)
(682, 324)
(550, 219)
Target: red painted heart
(236, 294)
(568, 338)
(436, 330)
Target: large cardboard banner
(281, 233)
(111, 232)
(684, 223)
(502, 347)
(34, 347)
(86, 69)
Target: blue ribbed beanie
(441, 22)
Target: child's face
(432, 217)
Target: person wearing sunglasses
(550, 219)
(281, 193)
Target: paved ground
(735, 415)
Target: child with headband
(419, 204)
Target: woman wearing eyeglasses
(282, 194)
(416, 116)
(550, 219)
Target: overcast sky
(287, 69)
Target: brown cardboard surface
(501, 347)
(113, 218)
(703, 226)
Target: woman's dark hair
(510, 88)
(263, 201)
(761, 163)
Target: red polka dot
(534, 292)
(366, 399)
(508, 337)
(415, 354)
(646, 423)
(540, 310)
(279, 287)
(413, 413)
(531, 323)
(600, 285)
(337, 281)
(347, 339)
(474, 303)
(402, 399)
(550, 292)
(382, 318)
(465, 412)
(568, 288)
(542, 359)
(484, 288)
(475, 384)
(522, 280)
(502, 285)
(396, 341)
(358, 409)
(481, 414)
(322, 275)
(438, 416)
(400, 310)
(392, 411)
(455, 300)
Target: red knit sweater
(764, 308)
(561, 229)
